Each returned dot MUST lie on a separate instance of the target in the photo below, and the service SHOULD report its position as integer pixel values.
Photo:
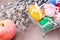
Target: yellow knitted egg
(36, 14)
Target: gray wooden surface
(34, 33)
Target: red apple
(7, 29)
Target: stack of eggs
(45, 16)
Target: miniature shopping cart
(55, 23)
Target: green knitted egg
(46, 23)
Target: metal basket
(36, 23)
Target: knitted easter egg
(49, 10)
(37, 15)
(46, 23)
(58, 4)
(52, 1)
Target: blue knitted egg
(52, 1)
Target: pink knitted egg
(49, 10)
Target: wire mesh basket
(55, 22)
